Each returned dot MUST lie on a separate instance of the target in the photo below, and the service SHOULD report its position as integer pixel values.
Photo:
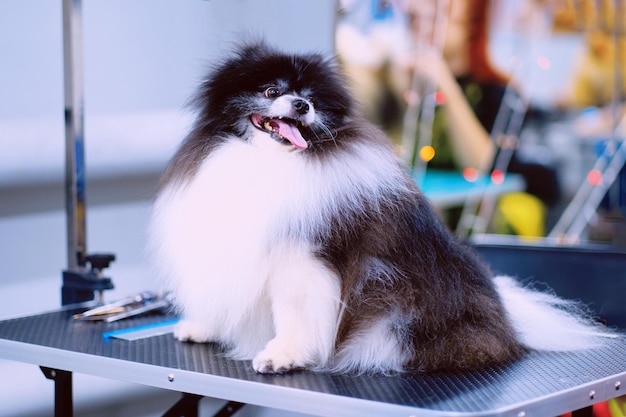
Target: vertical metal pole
(74, 137)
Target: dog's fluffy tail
(544, 321)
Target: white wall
(142, 61)
(139, 54)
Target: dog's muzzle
(282, 128)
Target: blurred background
(553, 68)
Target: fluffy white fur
(544, 321)
(247, 286)
(375, 349)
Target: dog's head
(298, 101)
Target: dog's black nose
(301, 106)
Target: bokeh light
(470, 174)
(427, 153)
(497, 176)
(440, 97)
(544, 63)
(411, 97)
(594, 177)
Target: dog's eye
(272, 92)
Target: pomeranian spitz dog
(290, 234)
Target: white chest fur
(215, 237)
(222, 244)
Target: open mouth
(281, 128)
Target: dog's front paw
(277, 358)
(191, 331)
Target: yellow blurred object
(593, 78)
(617, 407)
(602, 28)
(523, 213)
(582, 15)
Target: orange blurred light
(497, 176)
(427, 153)
(470, 174)
(594, 177)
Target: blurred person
(470, 92)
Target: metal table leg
(63, 399)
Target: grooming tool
(127, 307)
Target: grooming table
(542, 384)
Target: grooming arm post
(74, 134)
(79, 282)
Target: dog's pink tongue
(291, 133)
